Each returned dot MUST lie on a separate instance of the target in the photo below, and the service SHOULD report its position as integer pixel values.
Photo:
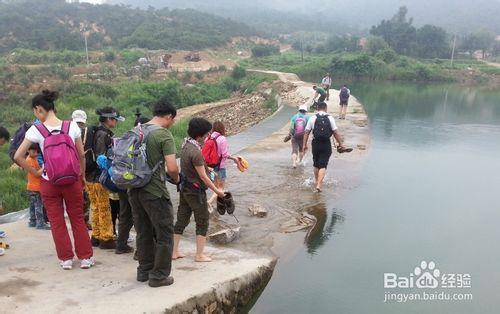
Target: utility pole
(302, 48)
(84, 31)
(453, 49)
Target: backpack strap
(65, 127)
(43, 130)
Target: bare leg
(200, 247)
(175, 252)
(294, 161)
(316, 171)
(320, 178)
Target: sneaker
(43, 227)
(142, 277)
(161, 283)
(87, 263)
(131, 238)
(67, 265)
(124, 250)
(2, 234)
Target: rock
(257, 210)
(298, 223)
(225, 236)
(361, 147)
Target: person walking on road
(323, 127)
(297, 131)
(326, 82)
(344, 95)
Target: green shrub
(239, 72)
(260, 51)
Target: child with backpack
(297, 130)
(37, 218)
(61, 185)
(215, 152)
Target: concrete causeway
(31, 281)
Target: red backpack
(61, 161)
(209, 152)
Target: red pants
(54, 198)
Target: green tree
(375, 44)
(432, 42)
(343, 43)
(398, 32)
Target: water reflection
(321, 232)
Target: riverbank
(381, 67)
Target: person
(319, 92)
(219, 136)
(344, 95)
(4, 136)
(297, 130)
(57, 198)
(80, 118)
(322, 126)
(327, 84)
(37, 217)
(193, 196)
(102, 225)
(4, 139)
(151, 205)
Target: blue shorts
(221, 174)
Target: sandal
(342, 149)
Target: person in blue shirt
(297, 130)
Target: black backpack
(18, 139)
(322, 128)
(88, 138)
(344, 94)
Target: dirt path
(493, 64)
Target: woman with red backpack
(62, 179)
(216, 153)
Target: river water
(429, 192)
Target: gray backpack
(130, 168)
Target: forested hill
(463, 16)
(55, 24)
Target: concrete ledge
(31, 280)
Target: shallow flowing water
(429, 192)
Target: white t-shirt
(312, 121)
(327, 81)
(34, 136)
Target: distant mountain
(338, 15)
(56, 24)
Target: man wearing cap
(102, 225)
(80, 117)
(297, 130)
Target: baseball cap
(113, 115)
(303, 108)
(79, 116)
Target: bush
(239, 72)
(387, 55)
(260, 51)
